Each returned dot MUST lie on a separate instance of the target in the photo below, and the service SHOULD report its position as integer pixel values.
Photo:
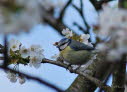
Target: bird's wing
(80, 46)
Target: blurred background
(45, 35)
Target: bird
(74, 52)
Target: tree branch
(80, 11)
(92, 79)
(41, 81)
(5, 52)
(80, 27)
(80, 72)
(63, 10)
(83, 17)
(99, 73)
(98, 4)
(119, 76)
(53, 22)
(108, 76)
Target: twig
(101, 90)
(98, 4)
(5, 52)
(80, 27)
(80, 11)
(82, 15)
(42, 81)
(53, 22)
(1, 46)
(63, 10)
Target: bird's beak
(55, 44)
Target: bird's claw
(77, 68)
(60, 59)
(68, 66)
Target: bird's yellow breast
(75, 57)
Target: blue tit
(74, 52)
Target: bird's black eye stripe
(63, 44)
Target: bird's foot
(60, 59)
(68, 67)
(78, 68)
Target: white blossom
(113, 23)
(36, 49)
(24, 52)
(35, 60)
(11, 76)
(67, 33)
(36, 55)
(111, 20)
(21, 80)
(14, 45)
(84, 38)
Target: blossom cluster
(82, 38)
(67, 33)
(21, 55)
(13, 77)
(34, 53)
(113, 24)
(18, 15)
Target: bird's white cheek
(63, 46)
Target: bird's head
(63, 43)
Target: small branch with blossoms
(22, 77)
(18, 54)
